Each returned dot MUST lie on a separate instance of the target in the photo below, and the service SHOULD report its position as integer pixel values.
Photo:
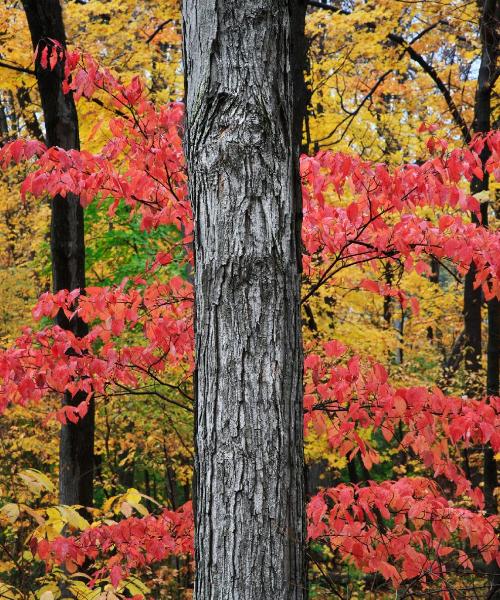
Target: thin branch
(17, 68)
(160, 28)
(128, 392)
(433, 74)
(27, 71)
(100, 103)
(427, 29)
(323, 5)
(418, 58)
(352, 114)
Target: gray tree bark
(242, 156)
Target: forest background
(383, 79)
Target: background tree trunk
(489, 27)
(489, 12)
(67, 244)
(242, 163)
(490, 21)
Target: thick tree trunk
(242, 162)
(67, 243)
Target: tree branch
(352, 114)
(160, 27)
(418, 58)
(380, 80)
(17, 68)
(323, 5)
(433, 74)
(27, 71)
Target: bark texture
(76, 465)
(242, 154)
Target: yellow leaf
(132, 496)
(73, 518)
(34, 513)
(10, 512)
(36, 481)
(483, 196)
(108, 505)
(7, 592)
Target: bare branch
(160, 28)
(433, 74)
(323, 5)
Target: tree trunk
(490, 20)
(481, 124)
(472, 332)
(489, 26)
(4, 123)
(242, 156)
(492, 376)
(67, 243)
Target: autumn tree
(76, 459)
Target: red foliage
(402, 529)
(133, 543)
(342, 399)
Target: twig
(157, 30)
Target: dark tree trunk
(388, 302)
(242, 156)
(492, 376)
(472, 332)
(481, 124)
(490, 15)
(490, 21)
(4, 123)
(67, 244)
(489, 27)
(433, 278)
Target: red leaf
(116, 575)
(370, 285)
(43, 57)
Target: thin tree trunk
(489, 26)
(4, 123)
(490, 21)
(472, 331)
(433, 278)
(67, 244)
(242, 161)
(492, 377)
(481, 124)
